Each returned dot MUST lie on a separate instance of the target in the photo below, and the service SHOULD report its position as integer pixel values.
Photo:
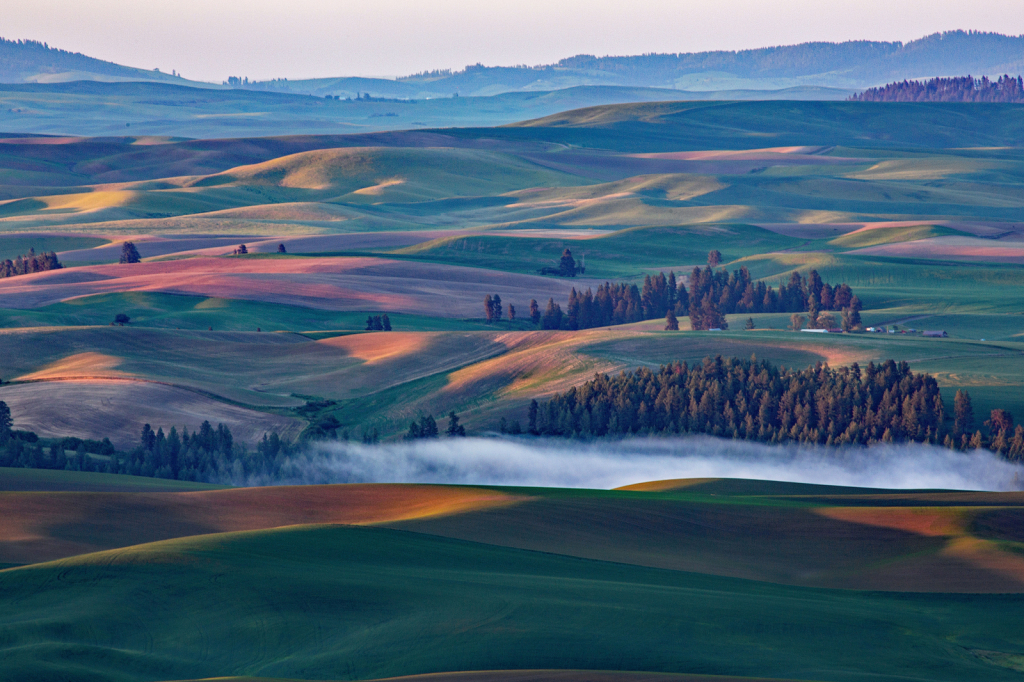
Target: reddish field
(329, 283)
(951, 248)
(41, 526)
(829, 229)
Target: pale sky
(213, 39)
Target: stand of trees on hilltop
(756, 401)
(962, 89)
(712, 295)
(29, 263)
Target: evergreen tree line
(29, 263)
(959, 89)
(426, 427)
(712, 295)
(756, 401)
(207, 454)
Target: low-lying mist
(570, 464)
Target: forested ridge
(963, 89)
(757, 401)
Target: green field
(323, 602)
(45, 479)
(169, 311)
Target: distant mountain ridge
(848, 65)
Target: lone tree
(489, 308)
(851, 315)
(129, 254)
(749, 324)
(511, 313)
(714, 258)
(534, 311)
(797, 321)
(122, 319)
(567, 264)
(671, 323)
(5, 422)
(281, 249)
(455, 429)
(963, 413)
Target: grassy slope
(148, 309)
(86, 481)
(882, 541)
(752, 125)
(364, 603)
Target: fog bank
(571, 464)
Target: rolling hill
(514, 581)
(31, 61)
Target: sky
(213, 39)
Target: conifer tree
(534, 311)
(567, 264)
(671, 323)
(428, 427)
(455, 429)
(489, 308)
(5, 422)
(963, 413)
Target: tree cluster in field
(378, 323)
(712, 295)
(29, 263)
(961, 89)
(241, 250)
(567, 266)
(493, 310)
(751, 400)
(426, 427)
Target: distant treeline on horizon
(964, 89)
